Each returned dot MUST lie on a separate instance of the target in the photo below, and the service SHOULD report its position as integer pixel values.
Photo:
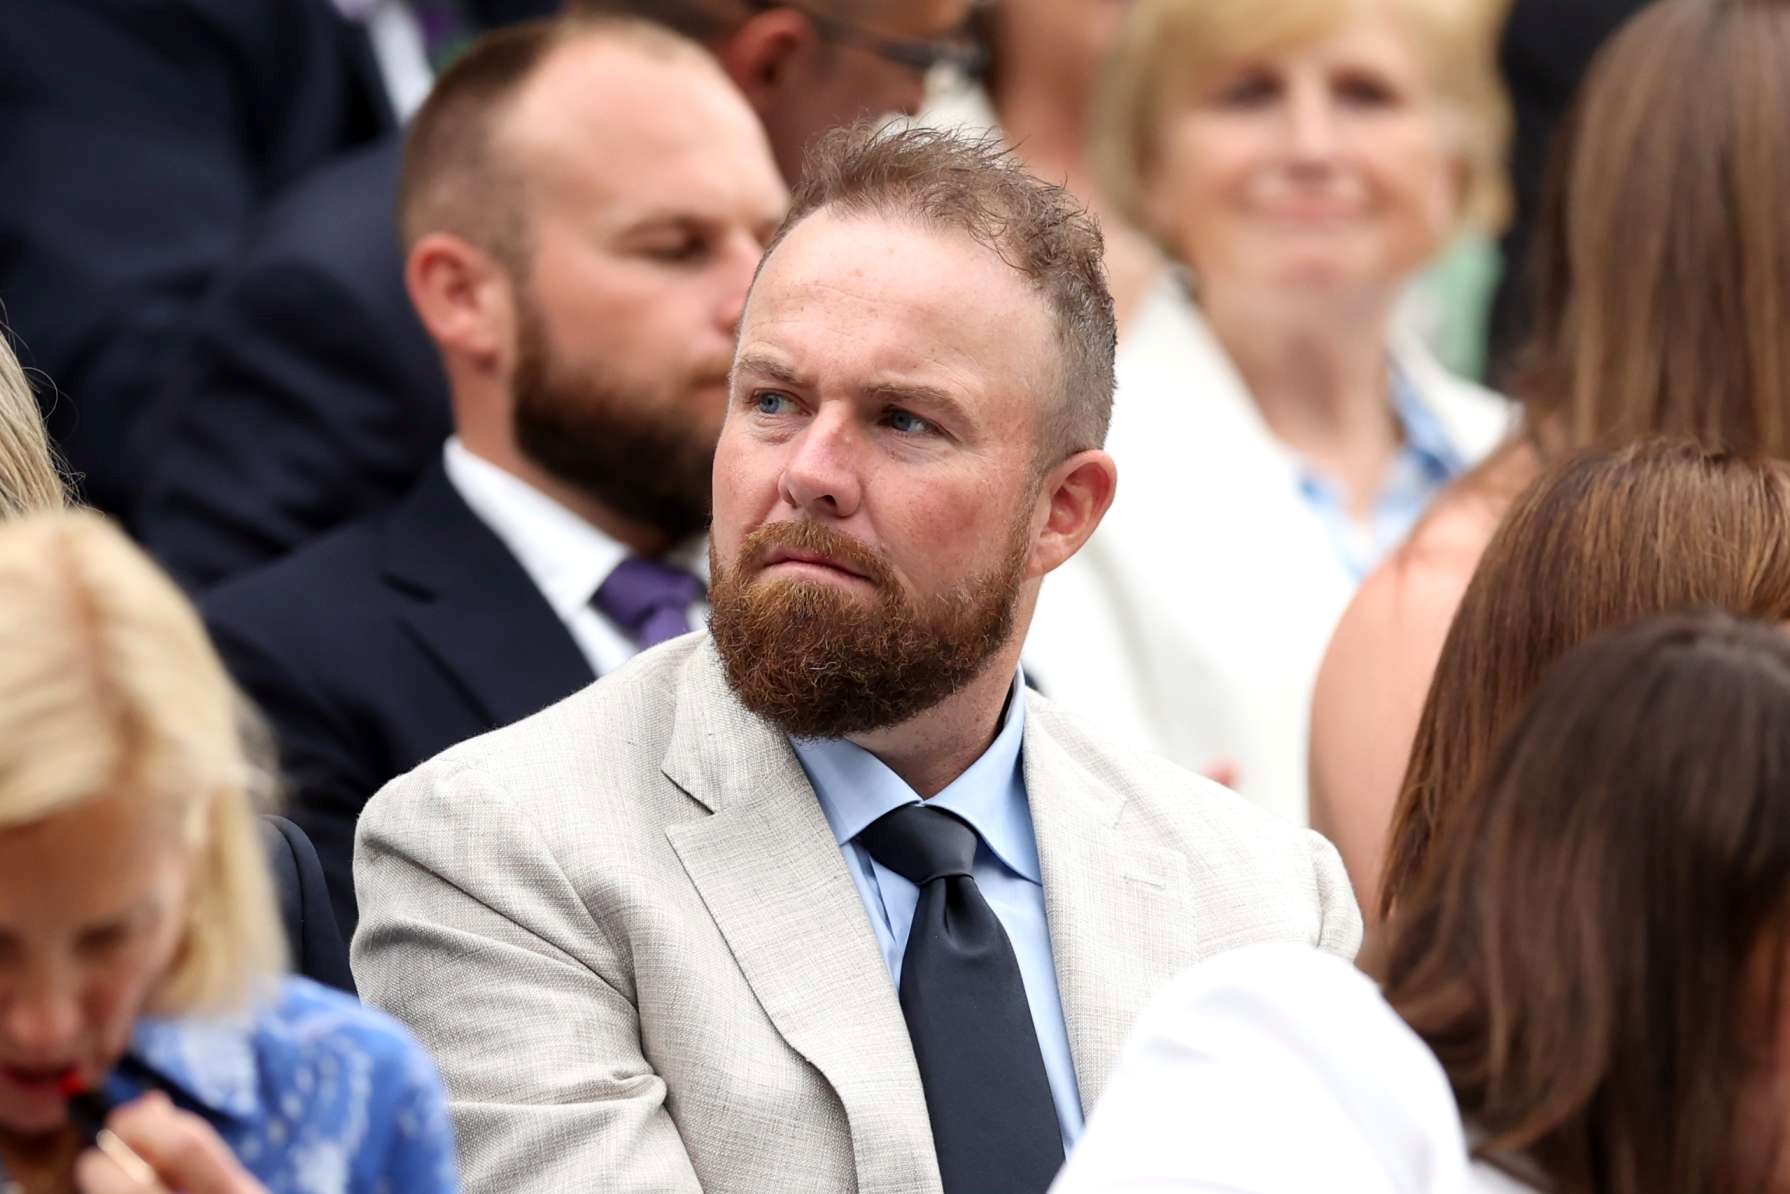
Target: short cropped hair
(457, 177)
(29, 479)
(1168, 49)
(109, 686)
(947, 180)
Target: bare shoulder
(1376, 673)
(1415, 591)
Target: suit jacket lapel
(472, 607)
(773, 878)
(1120, 923)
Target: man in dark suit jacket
(583, 207)
(309, 392)
(276, 425)
(139, 138)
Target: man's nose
(821, 475)
(909, 95)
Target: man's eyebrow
(771, 368)
(918, 394)
(654, 218)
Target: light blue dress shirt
(855, 788)
(1426, 462)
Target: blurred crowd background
(1451, 334)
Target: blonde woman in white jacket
(1276, 433)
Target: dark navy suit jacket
(313, 939)
(309, 394)
(382, 645)
(138, 138)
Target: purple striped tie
(649, 600)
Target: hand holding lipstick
(178, 1150)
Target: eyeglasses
(959, 54)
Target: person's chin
(1319, 281)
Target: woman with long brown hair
(1603, 540)
(1664, 291)
(1583, 996)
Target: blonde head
(1172, 49)
(109, 686)
(28, 476)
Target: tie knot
(648, 599)
(920, 843)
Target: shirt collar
(211, 1061)
(1426, 441)
(855, 788)
(565, 556)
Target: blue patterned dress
(314, 1093)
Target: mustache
(817, 539)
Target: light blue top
(314, 1093)
(855, 788)
(1426, 462)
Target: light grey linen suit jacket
(624, 929)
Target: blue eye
(770, 402)
(906, 422)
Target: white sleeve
(1272, 1069)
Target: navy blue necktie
(994, 1123)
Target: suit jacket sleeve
(144, 134)
(1340, 930)
(472, 934)
(314, 941)
(280, 424)
(325, 769)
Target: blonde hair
(1169, 48)
(108, 684)
(29, 479)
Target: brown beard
(820, 662)
(648, 463)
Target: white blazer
(1265, 1038)
(1194, 620)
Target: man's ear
(760, 55)
(463, 297)
(1077, 493)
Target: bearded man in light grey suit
(825, 900)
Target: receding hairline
(892, 211)
(485, 142)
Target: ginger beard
(823, 662)
(645, 451)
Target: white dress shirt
(1276, 1069)
(398, 48)
(564, 555)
